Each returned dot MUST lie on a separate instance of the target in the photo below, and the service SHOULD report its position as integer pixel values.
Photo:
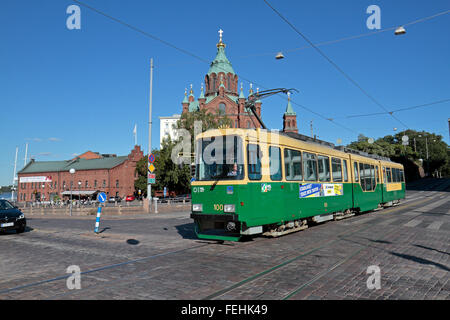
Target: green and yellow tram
(268, 182)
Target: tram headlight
(229, 208)
(197, 207)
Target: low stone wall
(119, 210)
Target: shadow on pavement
(420, 260)
(429, 184)
(4, 233)
(428, 248)
(186, 231)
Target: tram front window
(219, 158)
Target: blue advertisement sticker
(310, 190)
(229, 189)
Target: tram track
(326, 243)
(223, 291)
(111, 266)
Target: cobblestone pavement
(159, 257)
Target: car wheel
(20, 230)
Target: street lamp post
(426, 148)
(79, 194)
(72, 172)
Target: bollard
(156, 205)
(97, 221)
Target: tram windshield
(219, 158)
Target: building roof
(289, 110)
(77, 164)
(221, 63)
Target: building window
(236, 123)
(222, 109)
(248, 124)
(86, 184)
(293, 165)
(104, 183)
(95, 183)
(64, 185)
(117, 183)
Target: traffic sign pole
(97, 221)
(101, 199)
(149, 186)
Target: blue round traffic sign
(101, 197)
(151, 158)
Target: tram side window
(275, 163)
(368, 177)
(372, 175)
(324, 168)
(397, 175)
(377, 174)
(344, 162)
(336, 167)
(254, 162)
(355, 166)
(293, 164)
(310, 166)
(362, 172)
(402, 176)
(388, 174)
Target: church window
(222, 108)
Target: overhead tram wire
(147, 34)
(334, 64)
(393, 111)
(350, 37)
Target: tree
(415, 149)
(207, 119)
(174, 176)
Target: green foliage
(418, 142)
(208, 121)
(168, 174)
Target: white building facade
(166, 127)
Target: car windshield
(219, 158)
(5, 205)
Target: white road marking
(435, 225)
(413, 223)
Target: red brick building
(221, 96)
(94, 172)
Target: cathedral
(220, 96)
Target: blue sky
(68, 91)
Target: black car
(11, 218)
